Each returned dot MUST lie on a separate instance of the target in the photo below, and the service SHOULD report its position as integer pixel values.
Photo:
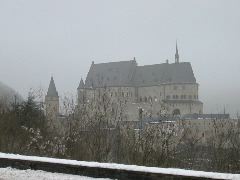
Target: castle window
(195, 97)
(182, 96)
(116, 94)
(140, 99)
(145, 99)
(167, 97)
(173, 97)
(122, 94)
(176, 96)
(190, 96)
(150, 99)
(175, 87)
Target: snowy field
(173, 171)
(15, 174)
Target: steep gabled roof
(127, 73)
(81, 84)
(111, 74)
(52, 91)
(164, 73)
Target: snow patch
(173, 171)
(15, 174)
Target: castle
(173, 84)
(146, 87)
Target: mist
(61, 38)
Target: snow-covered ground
(15, 174)
(173, 171)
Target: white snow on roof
(16, 174)
(173, 171)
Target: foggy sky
(62, 37)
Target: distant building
(147, 87)
(52, 101)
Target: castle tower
(81, 92)
(176, 55)
(52, 101)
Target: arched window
(150, 99)
(140, 99)
(145, 99)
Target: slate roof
(206, 116)
(81, 84)
(127, 73)
(164, 73)
(111, 74)
(52, 91)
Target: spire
(176, 54)
(52, 91)
(81, 84)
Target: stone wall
(98, 171)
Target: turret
(176, 55)
(52, 101)
(81, 92)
